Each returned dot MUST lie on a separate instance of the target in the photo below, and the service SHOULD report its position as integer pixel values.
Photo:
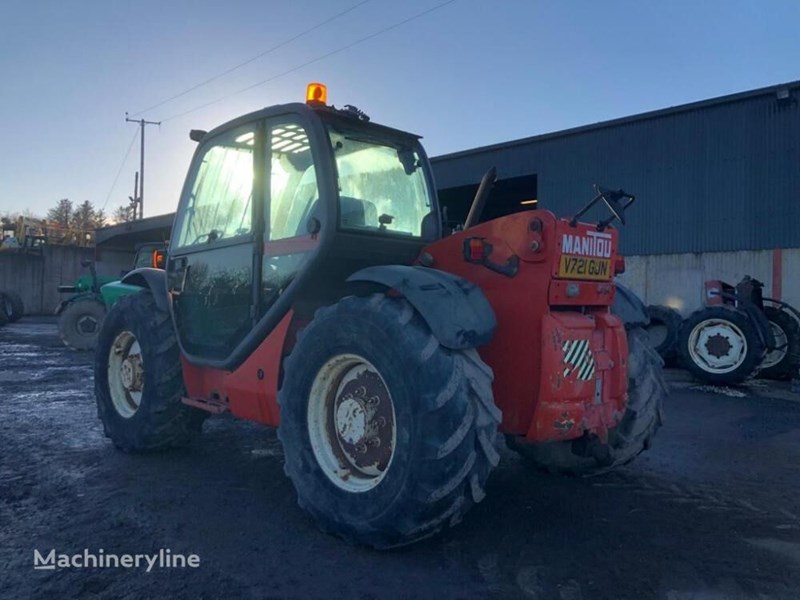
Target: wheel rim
(86, 325)
(126, 374)
(717, 346)
(351, 423)
(776, 355)
(9, 307)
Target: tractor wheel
(388, 436)
(782, 362)
(3, 313)
(720, 345)
(138, 382)
(663, 331)
(634, 434)
(14, 306)
(79, 323)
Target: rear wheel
(3, 313)
(80, 322)
(634, 434)
(14, 307)
(138, 379)
(784, 360)
(388, 436)
(720, 345)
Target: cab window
(220, 201)
(293, 199)
(293, 181)
(382, 185)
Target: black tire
(663, 331)
(444, 412)
(730, 319)
(643, 417)
(80, 323)
(786, 357)
(3, 313)
(161, 420)
(14, 306)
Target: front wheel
(388, 436)
(138, 381)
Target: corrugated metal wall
(716, 177)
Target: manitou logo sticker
(595, 244)
(163, 559)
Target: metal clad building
(714, 176)
(717, 185)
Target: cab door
(295, 209)
(212, 269)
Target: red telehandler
(308, 287)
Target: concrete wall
(672, 279)
(676, 280)
(37, 277)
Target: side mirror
(159, 259)
(86, 262)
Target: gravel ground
(710, 512)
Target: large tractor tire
(13, 305)
(3, 313)
(634, 434)
(388, 436)
(138, 381)
(720, 345)
(663, 331)
(783, 362)
(80, 322)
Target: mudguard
(153, 279)
(629, 307)
(456, 310)
(77, 298)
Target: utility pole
(139, 199)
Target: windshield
(382, 183)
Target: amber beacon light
(316, 93)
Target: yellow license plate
(581, 267)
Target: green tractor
(80, 316)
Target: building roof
(125, 236)
(653, 114)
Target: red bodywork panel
(558, 355)
(251, 391)
(714, 288)
(537, 315)
(580, 388)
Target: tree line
(84, 216)
(66, 215)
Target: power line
(314, 60)
(121, 166)
(252, 59)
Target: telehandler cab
(308, 287)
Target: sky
(466, 74)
